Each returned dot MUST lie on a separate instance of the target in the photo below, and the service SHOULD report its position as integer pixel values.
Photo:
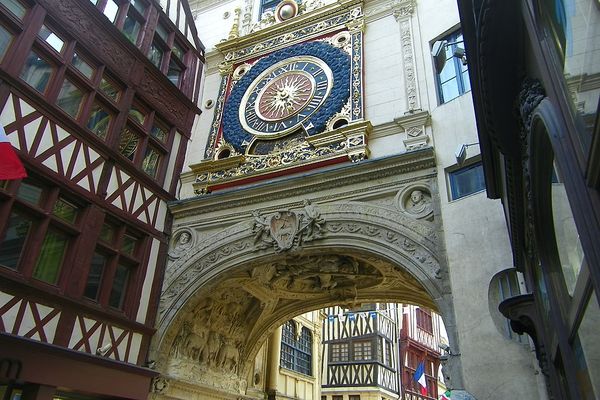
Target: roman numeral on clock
(315, 101)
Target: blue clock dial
(284, 96)
(297, 88)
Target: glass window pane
(466, 181)
(131, 28)
(99, 120)
(151, 161)
(65, 211)
(128, 143)
(86, 69)
(450, 90)
(575, 28)
(51, 38)
(5, 40)
(174, 73)
(30, 192)
(109, 89)
(162, 32)
(107, 233)
(177, 51)
(51, 256)
(15, 7)
(70, 98)
(138, 114)
(448, 72)
(567, 237)
(111, 10)
(14, 240)
(156, 55)
(159, 131)
(129, 243)
(590, 347)
(119, 287)
(139, 5)
(94, 279)
(36, 72)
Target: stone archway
(221, 301)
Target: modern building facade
(322, 172)
(537, 117)
(98, 97)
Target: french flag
(419, 377)
(10, 165)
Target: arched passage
(221, 301)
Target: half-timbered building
(98, 98)
(361, 353)
(373, 351)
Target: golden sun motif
(286, 96)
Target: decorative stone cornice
(414, 126)
(316, 23)
(281, 188)
(213, 62)
(379, 9)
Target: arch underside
(220, 302)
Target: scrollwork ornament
(404, 10)
(160, 385)
(530, 96)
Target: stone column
(273, 362)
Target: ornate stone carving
(228, 306)
(182, 242)
(234, 33)
(266, 19)
(531, 95)
(397, 8)
(416, 201)
(160, 384)
(287, 229)
(214, 128)
(410, 72)
(414, 124)
(404, 9)
(310, 5)
(293, 36)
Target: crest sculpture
(287, 229)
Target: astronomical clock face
(284, 96)
(296, 89)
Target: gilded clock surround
(325, 127)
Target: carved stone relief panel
(181, 242)
(416, 201)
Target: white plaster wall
(211, 24)
(476, 236)
(201, 129)
(385, 96)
